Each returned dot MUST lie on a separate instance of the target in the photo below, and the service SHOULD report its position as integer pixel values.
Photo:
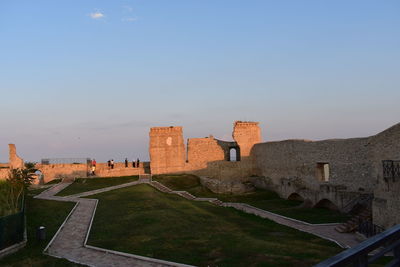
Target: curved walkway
(70, 240)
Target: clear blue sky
(89, 78)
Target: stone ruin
(330, 173)
(336, 174)
(15, 162)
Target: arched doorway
(326, 204)
(234, 154)
(39, 177)
(295, 197)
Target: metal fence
(382, 244)
(12, 229)
(391, 170)
(368, 229)
(66, 161)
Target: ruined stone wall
(348, 161)
(167, 150)
(205, 156)
(62, 171)
(355, 167)
(246, 134)
(291, 166)
(102, 169)
(4, 172)
(15, 162)
(386, 204)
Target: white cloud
(96, 15)
(130, 19)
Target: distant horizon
(146, 157)
(89, 79)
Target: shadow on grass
(81, 185)
(263, 199)
(144, 221)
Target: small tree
(13, 189)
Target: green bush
(12, 190)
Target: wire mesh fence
(12, 229)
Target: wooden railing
(388, 241)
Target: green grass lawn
(46, 213)
(55, 181)
(144, 221)
(81, 185)
(263, 199)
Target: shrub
(13, 189)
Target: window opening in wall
(322, 171)
(233, 154)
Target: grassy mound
(263, 199)
(144, 221)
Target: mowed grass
(144, 221)
(263, 199)
(81, 185)
(55, 181)
(46, 213)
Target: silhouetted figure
(137, 163)
(109, 164)
(133, 164)
(112, 164)
(126, 163)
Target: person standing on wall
(93, 166)
(137, 163)
(109, 164)
(126, 162)
(112, 164)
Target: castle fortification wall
(386, 203)
(348, 161)
(15, 162)
(167, 150)
(62, 171)
(204, 156)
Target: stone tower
(246, 134)
(167, 150)
(14, 161)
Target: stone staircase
(352, 224)
(161, 187)
(144, 177)
(185, 194)
(217, 202)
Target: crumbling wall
(4, 172)
(62, 171)
(167, 150)
(348, 159)
(205, 156)
(246, 134)
(102, 169)
(15, 162)
(291, 166)
(386, 203)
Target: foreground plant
(13, 189)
